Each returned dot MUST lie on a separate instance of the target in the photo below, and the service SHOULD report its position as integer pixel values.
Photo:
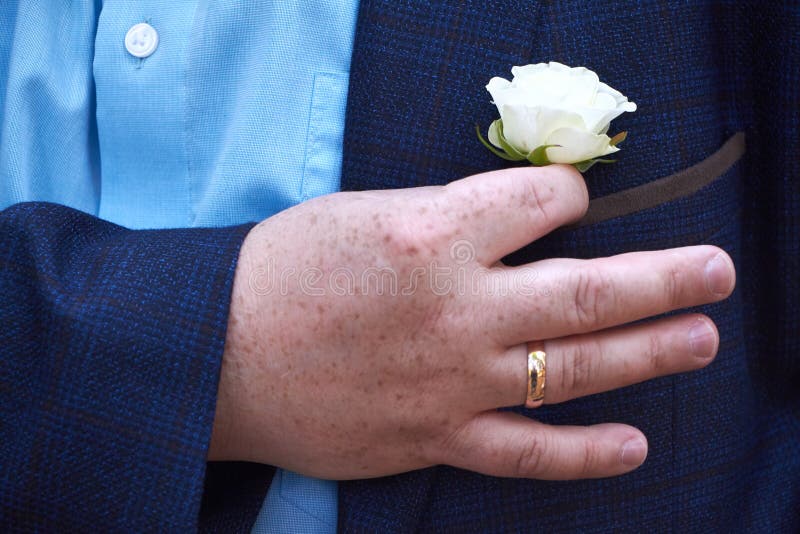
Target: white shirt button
(141, 40)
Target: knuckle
(673, 282)
(578, 367)
(537, 199)
(408, 235)
(530, 459)
(411, 238)
(590, 458)
(655, 353)
(593, 296)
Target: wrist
(226, 435)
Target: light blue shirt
(237, 115)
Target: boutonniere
(551, 113)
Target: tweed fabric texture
(724, 441)
(185, 137)
(110, 348)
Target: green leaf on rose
(584, 166)
(538, 156)
(492, 149)
(509, 149)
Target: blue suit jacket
(724, 441)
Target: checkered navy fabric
(724, 441)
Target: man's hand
(375, 333)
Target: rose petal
(604, 101)
(494, 137)
(577, 145)
(555, 85)
(520, 127)
(597, 120)
(621, 100)
(497, 88)
(526, 128)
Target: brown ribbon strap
(672, 187)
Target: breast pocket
(698, 205)
(676, 186)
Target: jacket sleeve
(110, 350)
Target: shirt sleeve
(110, 350)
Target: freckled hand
(375, 333)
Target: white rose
(561, 111)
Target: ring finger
(585, 364)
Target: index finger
(502, 211)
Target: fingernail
(702, 339)
(634, 452)
(719, 275)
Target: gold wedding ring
(536, 374)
